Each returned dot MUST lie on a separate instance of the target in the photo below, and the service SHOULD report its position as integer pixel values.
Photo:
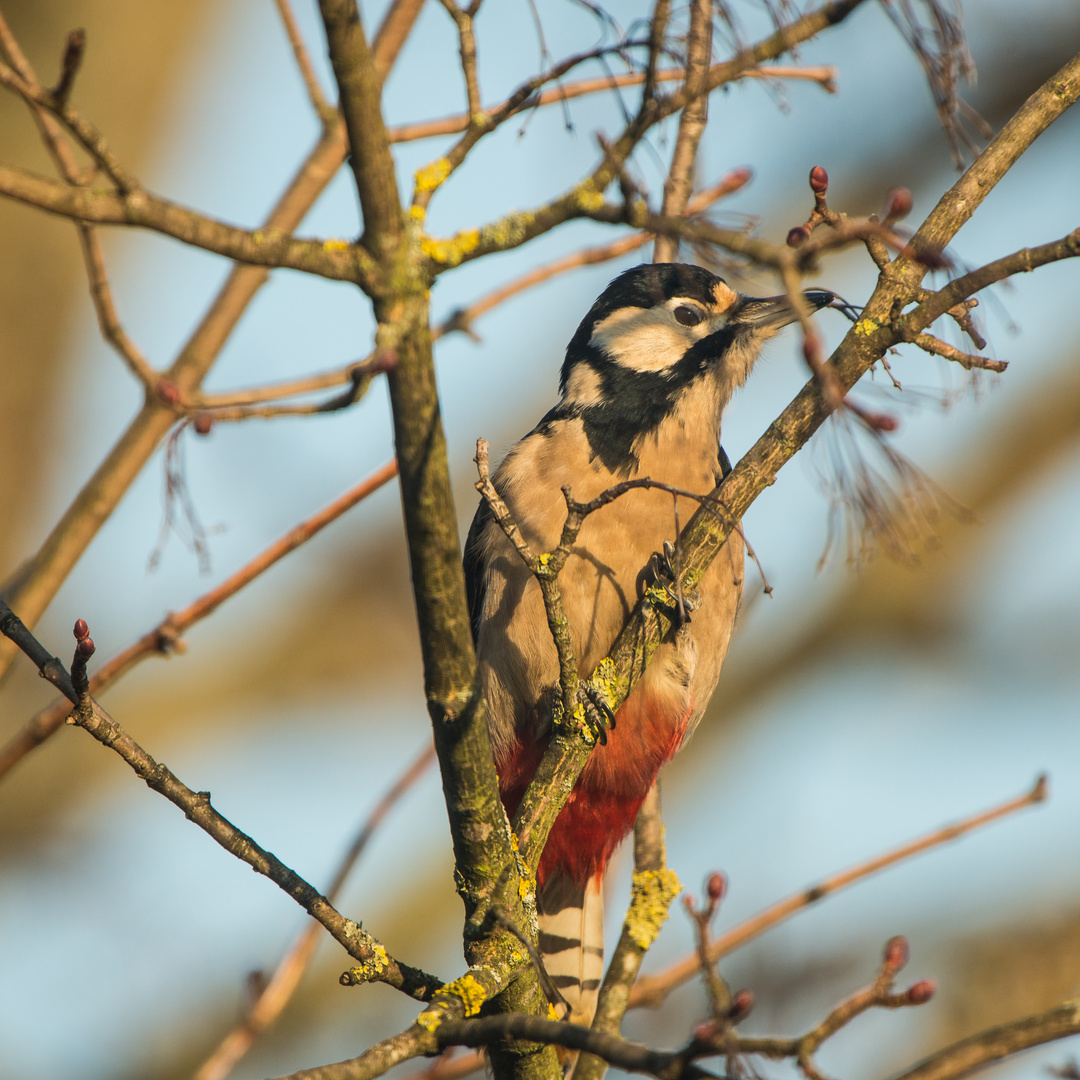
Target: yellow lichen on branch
(651, 894)
(450, 252)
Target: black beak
(773, 312)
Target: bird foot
(591, 711)
(681, 603)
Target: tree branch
(651, 990)
(360, 88)
(995, 1043)
(334, 259)
(165, 637)
(706, 534)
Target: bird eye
(688, 316)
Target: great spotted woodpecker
(645, 380)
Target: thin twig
(654, 988)
(968, 361)
(995, 1043)
(265, 1009)
(165, 637)
(326, 112)
(824, 76)
(377, 965)
(692, 122)
(52, 134)
(463, 318)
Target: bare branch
(377, 965)
(381, 1058)
(326, 112)
(165, 637)
(968, 361)
(360, 89)
(979, 1050)
(652, 989)
(692, 122)
(585, 198)
(334, 259)
(263, 1012)
(37, 581)
(1023, 261)
(462, 320)
(825, 76)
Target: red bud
(896, 953)
(168, 391)
(819, 180)
(85, 647)
(921, 992)
(738, 178)
(741, 1004)
(203, 423)
(705, 1031)
(799, 235)
(898, 203)
(716, 886)
(882, 421)
(80, 629)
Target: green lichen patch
(865, 327)
(650, 897)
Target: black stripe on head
(641, 287)
(633, 403)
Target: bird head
(673, 321)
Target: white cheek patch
(641, 339)
(583, 386)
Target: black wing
(474, 569)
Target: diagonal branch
(995, 1043)
(336, 260)
(692, 122)
(37, 581)
(165, 637)
(360, 88)
(586, 197)
(376, 963)
(705, 535)
(824, 75)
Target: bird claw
(681, 603)
(592, 711)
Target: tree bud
(898, 203)
(716, 886)
(738, 178)
(921, 992)
(168, 391)
(883, 421)
(819, 180)
(705, 1031)
(203, 424)
(85, 647)
(80, 629)
(799, 235)
(741, 1004)
(896, 953)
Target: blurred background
(860, 706)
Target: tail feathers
(571, 917)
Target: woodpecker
(645, 380)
